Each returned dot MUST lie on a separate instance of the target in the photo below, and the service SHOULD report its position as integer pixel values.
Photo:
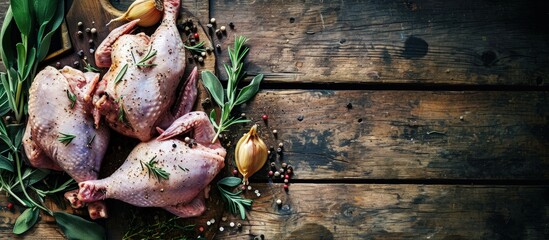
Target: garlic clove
(148, 11)
(250, 154)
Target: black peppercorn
(231, 25)
(81, 53)
(76, 64)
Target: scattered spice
(88, 30)
(223, 28)
(300, 118)
(212, 20)
(10, 206)
(76, 64)
(79, 34)
(80, 24)
(279, 202)
(286, 187)
(93, 31)
(231, 25)
(231, 224)
(265, 117)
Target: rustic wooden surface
(402, 119)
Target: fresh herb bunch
(25, 40)
(159, 230)
(231, 97)
(237, 204)
(197, 48)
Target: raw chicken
(190, 169)
(137, 92)
(53, 116)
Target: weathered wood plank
(373, 42)
(363, 211)
(405, 134)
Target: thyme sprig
(143, 62)
(237, 204)
(72, 98)
(65, 138)
(157, 230)
(158, 173)
(91, 68)
(121, 74)
(231, 97)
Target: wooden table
(402, 120)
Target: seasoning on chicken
(138, 91)
(165, 172)
(60, 133)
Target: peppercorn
(58, 65)
(279, 150)
(273, 165)
(231, 25)
(277, 173)
(239, 225)
(93, 31)
(279, 202)
(90, 42)
(287, 176)
(223, 28)
(289, 171)
(243, 188)
(80, 24)
(187, 139)
(218, 46)
(88, 30)
(212, 20)
(235, 172)
(10, 206)
(275, 131)
(231, 224)
(200, 59)
(271, 173)
(221, 229)
(265, 117)
(280, 145)
(286, 181)
(196, 35)
(79, 33)
(284, 165)
(76, 64)
(92, 50)
(201, 229)
(203, 54)
(281, 171)
(285, 186)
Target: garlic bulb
(148, 11)
(250, 154)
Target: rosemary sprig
(65, 138)
(163, 229)
(198, 48)
(72, 98)
(142, 63)
(231, 97)
(121, 113)
(121, 74)
(184, 169)
(91, 68)
(158, 173)
(236, 202)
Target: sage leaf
(249, 91)
(75, 227)
(21, 58)
(29, 178)
(54, 24)
(21, 10)
(44, 10)
(7, 40)
(214, 86)
(6, 163)
(4, 101)
(230, 181)
(26, 220)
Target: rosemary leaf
(72, 98)
(91, 68)
(150, 54)
(199, 47)
(65, 138)
(159, 173)
(121, 74)
(236, 203)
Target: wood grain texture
(379, 42)
(405, 134)
(364, 211)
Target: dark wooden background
(402, 119)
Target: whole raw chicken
(60, 133)
(165, 172)
(138, 90)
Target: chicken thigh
(165, 172)
(137, 92)
(60, 133)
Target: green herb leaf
(199, 47)
(30, 177)
(21, 10)
(72, 98)
(214, 86)
(184, 169)
(44, 10)
(158, 173)
(54, 23)
(230, 181)
(7, 39)
(26, 220)
(249, 91)
(143, 62)
(121, 74)
(91, 68)
(75, 227)
(65, 138)
(236, 203)
(6, 163)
